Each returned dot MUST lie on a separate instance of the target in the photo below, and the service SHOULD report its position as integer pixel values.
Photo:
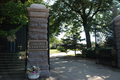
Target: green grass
(78, 55)
(52, 51)
(71, 55)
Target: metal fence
(105, 39)
(13, 54)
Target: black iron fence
(106, 57)
(105, 41)
(13, 51)
(16, 42)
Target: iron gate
(105, 39)
(13, 53)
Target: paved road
(72, 68)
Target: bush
(84, 52)
(90, 52)
(60, 48)
(53, 47)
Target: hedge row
(91, 52)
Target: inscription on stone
(37, 45)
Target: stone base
(44, 73)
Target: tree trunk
(88, 40)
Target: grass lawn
(78, 55)
(52, 51)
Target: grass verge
(53, 51)
(78, 55)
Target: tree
(54, 41)
(5, 1)
(72, 37)
(79, 12)
(14, 13)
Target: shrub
(53, 47)
(60, 48)
(90, 52)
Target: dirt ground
(72, 68)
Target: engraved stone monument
(38, 54)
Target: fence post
(116, 23)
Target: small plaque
(37, 45)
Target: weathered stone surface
(37, 36)
(34, 25)
(42, 37)
(38, 14)
(42, 20)
(38, 6)
(33, 63)
(37, 10)
(117, 20)
(38, 25)
(117, 24)
(33, 37)
(42, 25)
(118, 35)
(38, 31)
(118, 28)
(118, 40)
(38, 60)
(117, 32)
(44, 67)
(41, 66)
(33, 54)
(44, 73)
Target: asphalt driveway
(77, 68)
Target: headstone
(38, 49)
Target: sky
(82, 35)
(51, 1)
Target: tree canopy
(79, 13)
(14, 12)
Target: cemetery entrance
(13, 51)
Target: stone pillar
(38, 49)
(117, 29)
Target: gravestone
(38, 49)
(116, 21)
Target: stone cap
(38, 11)
(117, 20)
(38, 6)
